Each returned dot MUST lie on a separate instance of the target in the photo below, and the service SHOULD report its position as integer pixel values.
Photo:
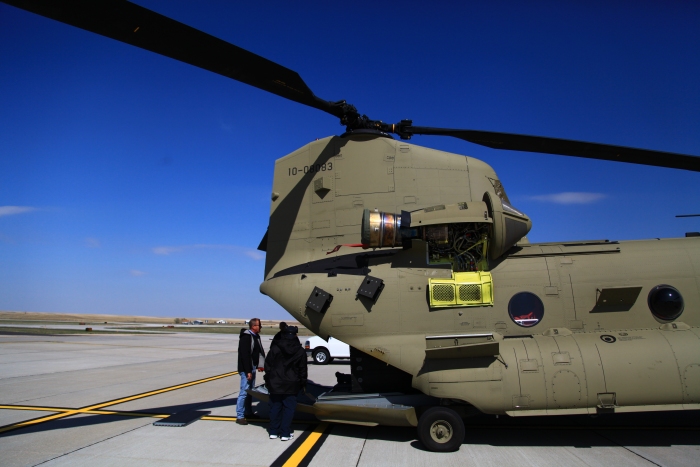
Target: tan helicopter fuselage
(596, 347)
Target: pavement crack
(626, 448)
(363, 448)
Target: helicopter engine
(464, 234)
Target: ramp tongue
(181, 419)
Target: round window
(526, 309)
(665, 302)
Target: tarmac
(92, 400)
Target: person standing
(251, 357)
(283, 326)
(285, 376)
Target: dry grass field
(29, 317)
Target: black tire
(321, 356)
(330, 360)
(441, 429)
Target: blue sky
(134, 184)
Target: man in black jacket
(251, 357)
(285, 376)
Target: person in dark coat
(285, 376)
(251, 357)
(278, 336)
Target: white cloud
(250, 253)
(91, 242)
(254, 254)
(10, 210)
(136, 273)
(570, 197)
(166, 250)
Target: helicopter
(418, 260)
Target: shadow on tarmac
(651, 429)
(657, 429)
(79, 420)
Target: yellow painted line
(38, 420)
(35, 407)
(64, 410)
(70, 412)
(159, 391)
(218, 418)
(104, 412)
(223, 418)
(126, 414)
(306, 446)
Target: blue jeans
(281, 413)
(244, 403)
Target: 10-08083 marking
(311, 168)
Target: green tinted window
(665, 302)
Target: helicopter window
(665, 302)
(500, 191)
(525, 309)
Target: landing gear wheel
(441, 430)
(321, 356)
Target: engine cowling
(509, 225)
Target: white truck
(323, 352)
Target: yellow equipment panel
(464, 289)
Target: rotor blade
(138, 26)
(566, 147)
